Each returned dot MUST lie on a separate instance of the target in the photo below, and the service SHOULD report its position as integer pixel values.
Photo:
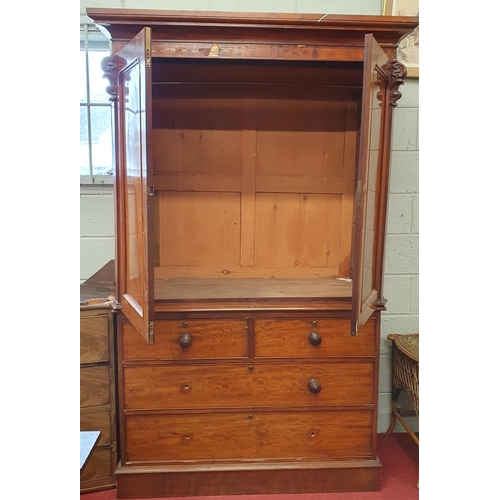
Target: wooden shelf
(250, 288)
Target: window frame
(92, 39)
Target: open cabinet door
(368, 211)
(134, 185)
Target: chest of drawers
(98, 381)
(242, 397)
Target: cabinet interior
(254, 166)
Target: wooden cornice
(124, 24)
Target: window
(95, 109)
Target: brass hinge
(358, 192)
(148, 47)
(151, 331)
(355, 332)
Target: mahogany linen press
(251, 182)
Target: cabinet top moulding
(331, 29)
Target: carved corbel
(398, 75)
(111, 66)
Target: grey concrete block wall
(401, 263)
(97, 231)
(401, 258)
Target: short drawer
(94, 339)
(188, 340)
(273, 385)
(97, 421)
(247, 436)
(315, 337)
(94, 386)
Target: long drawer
(247, 436)
(188, 340)
(315, 337)
(238, 385)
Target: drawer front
(304, 338)
(247, 436)
(98, 421)
(188, 340)
(156, 387)
(94, 339)
(94, 385)
(98, 466)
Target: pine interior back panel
(253, 180)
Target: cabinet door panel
(134, 185)
(369, 224)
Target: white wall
(401, 266)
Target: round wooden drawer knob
(314, 386)
(315, 338)
(185, 340)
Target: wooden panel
(196, 131)
(247, 71)
(159, 387)
(249, 145)
(98, 466)
(248, 436)
(300, 137)
(298, 184)
(297, 230)
(210, 339)
(94, 385)
(268, 478)
(348, 187)
(179, 181)
(98, 421)
(198, 229)
(94, 339)
(298, 52)
(269, 156)
(282, 338)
